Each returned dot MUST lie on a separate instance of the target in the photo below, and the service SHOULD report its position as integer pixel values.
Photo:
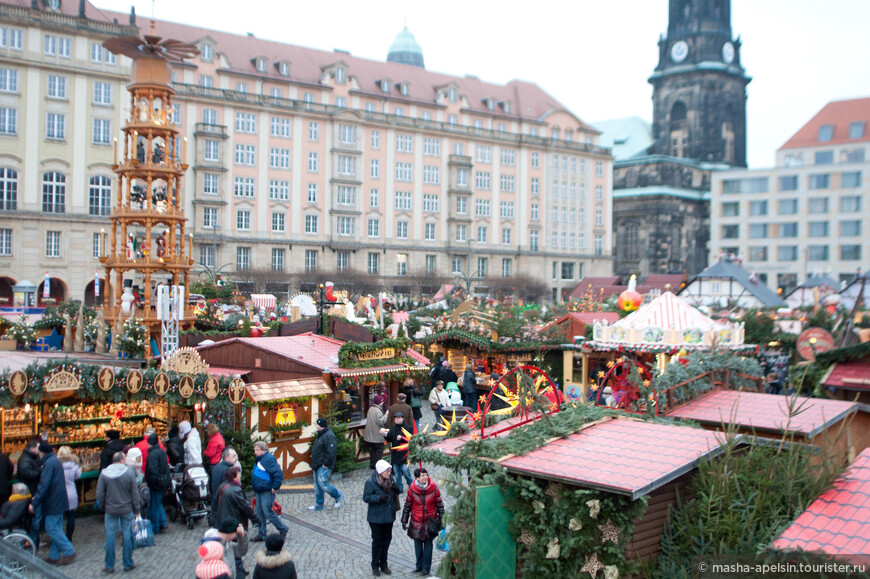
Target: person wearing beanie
(174, 448)
(118, 493)
(192, 443)
(157, 477)
(113, 445)
(51, 498)
(231, 534)
(382, 496)
(402, 406)
(211, 564)
(274, 562)
(323, 454)
(398, 458)
(375, 420)
(143, 445)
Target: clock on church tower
(699, 86)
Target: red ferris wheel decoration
(624, 394)
(514, 393)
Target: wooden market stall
(74, 403)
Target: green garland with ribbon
(348, 352)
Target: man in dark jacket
(51, 498)
(29, 467)
(398, 458)
(402, 406)
(174, 448)
(469, 387)
(231, 503)
(435, 372)
(157, 477)
(323, 454)
(229, 458)
(266, 479)
(118, 493)
(7, 469)
(448, 375)
(382, 496)
(113, 445)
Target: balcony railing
(211, 130)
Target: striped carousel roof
(669, 313)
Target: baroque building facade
(299, 160)
(662, 190)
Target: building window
(818, 205)
(246, 123)
(758, 208)
(97, 245)
(311, 193)
(375, 139)
(430, 264)
(758, 230)
(432, 147)
(851, 204)
(102, 131)
(277, 259)
(206, 81)
(8, 80)
(599, 244)
(209, 217)
(55, 126)
(246, 155)
(243, 187)
(8, 189)
(375, 169)
(533, 214)
(788, 206)
(850, 252)
(242, 87)
(820, 181)
(280, 127)
(374, 198)
(279, 158)
(312, 162)
(461, 233)
(788, 229)
(758, 254)
(345, 226)
(461, 205)
(102, 93)
(429, 231)
(851, 179)
(482, 180)
(346, 195)
(430, 203)
(279, 190)
(374, 263)
(404, 143)
(506, 267)
(243, 220)
(730, 231)
(278, 223)
(456, 264)
(342, 260)
(402, 229)
(53, 192)
(788, 183)
(99, 195)
(507, 183)
(818, 228)
(211, 150)
(826, 133)
(11, 38)
(452, 119)
(850, 228)
(750, 185)
(506, 235)
(310, 260)
(403, 200)
(730, 209)
(787, 253)
(431, 174)
(534, 240)
(506, 210)
(311, 224)
(401, 264)
(313, 130)
(461, 177)
(206, 52)
(52, 244)
(567, 270)
(243, 258)
(599, 218)
(206, 255)
(8, 121)
(374, 228)
(484, 154)
(824, 157)
(482, 264)
(817, 253)
(56, 46)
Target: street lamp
(468, 278)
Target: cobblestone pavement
(327, 543)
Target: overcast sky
(593, 56)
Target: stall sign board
(18, 382)
(106, 379)
(134, 381)
(236, 391)
(185, 387)
(814, 341)
(161, 384)
(186, 361)
(380, 354)
(62, 381)
(211, 388)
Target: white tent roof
(669, 313)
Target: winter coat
(442, 398)
(51, 492)
(193, 448)
(29, 470)
(324, 450)
(267, 474)
(113, 446)
(420, 506)
(231, 502)
(143, 446)
(375, 420)
(155, 468)
(402, 407)
(396, 438)
(117, 491)
(469, 383)
(382, 504)
(448, 376)
(217, 477)
(7, 469)
(435, 373)
(214, 448)
(12, 512)
(277, 566)
(71, 473)
(174, 450)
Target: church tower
(699, 86)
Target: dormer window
(207, 52)
(490, 104)
(506, 107)
(284, 69)
(826, 133)
(451, 94)
(569, 135)
(339, 75)
(404, 89)
(856, 129)
(385, 86)
(260, 63)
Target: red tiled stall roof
(298, 388)
(849, 376)
(838, 522)
(765, 412)
(622, 456)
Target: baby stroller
(191, 491)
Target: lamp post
(467, 277)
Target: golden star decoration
(594, 387)
(553, 490)
(611, 364)
(592, 565)
(646, 383)
(609, 532)
(446, 424)
(526, 538)
(601, 373)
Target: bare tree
(522, 286)
(353, 281)
(260, 280)
(425, 282)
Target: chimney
(132, 16)
(81, 8)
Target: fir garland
(350, 350)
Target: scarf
(417, 482)
(386, 485)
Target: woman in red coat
(215, 445)
(422, 505)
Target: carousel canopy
(668, 321)
(264, 301)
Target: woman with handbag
(421, 517)
(439, 399)
(382, 497)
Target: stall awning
(298, 388)
(849, 376)
(264, 301)
(375, 370)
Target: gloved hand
(404, 526)
(384, 498)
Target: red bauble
(629, 301)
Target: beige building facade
(299, 160)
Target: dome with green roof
(406, 50)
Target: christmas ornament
(553, 549)
(592, 565)
(609, 532)
(594, 508)
(574, 525)
(553, 490)
(611, 572)
(538, 506)
(630, 300)
(526, 538)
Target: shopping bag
(143, 535)
(441, 541)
